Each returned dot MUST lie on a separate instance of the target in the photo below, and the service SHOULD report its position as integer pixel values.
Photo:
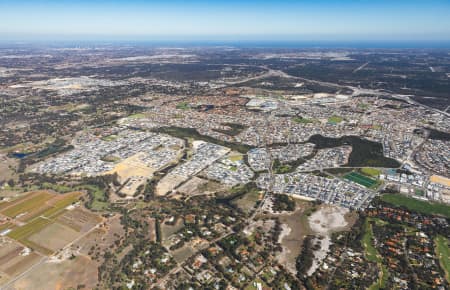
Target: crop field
(37, 204)
(30, 228)
(42, 232)
(61, 203)
(23, 206)
(361, 179)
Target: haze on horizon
(350, 20)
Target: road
(356, 90)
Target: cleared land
(54, 236)
(417, 205)
(249, 200)
(295, 228)
(67, 274)
(78, 219)
(440, 179)
(13, 259)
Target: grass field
(373, 172)
(235, 157)
(417, 205)
(361, 179)
(112, 137)
(443, 252)
(335, 119)
(57, 187)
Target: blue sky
(227, 20)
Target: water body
(364, 153)
(19, 155)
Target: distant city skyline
(319, 20)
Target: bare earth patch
(323, 222)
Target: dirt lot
(79, 219)
(13, 259)
(101, 238)
(6, 167)
(182, 254)
(191, 186)
(62, 275)
(168, 230)
(294, 230)
(325, 221)
(168, 183)
(54, 236)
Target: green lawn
(443, 252)
(417, 205)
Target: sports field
(361, 179)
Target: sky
(409, 20)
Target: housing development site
(223, 168)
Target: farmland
(37, 200)
(40, 224)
